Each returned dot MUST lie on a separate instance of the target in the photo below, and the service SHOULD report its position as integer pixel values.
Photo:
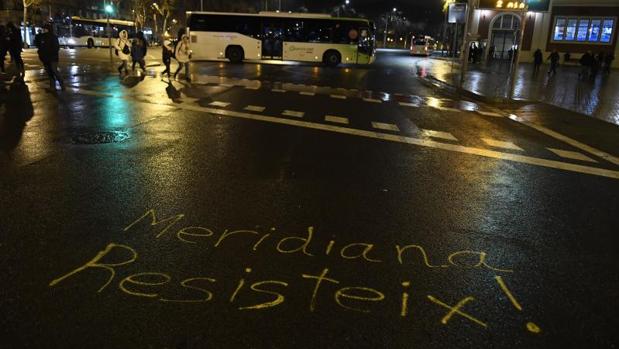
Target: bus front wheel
(90, 43)
(235, 54)
(332, 58)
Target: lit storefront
(566, 26)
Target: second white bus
(422, 46)
(281, 36)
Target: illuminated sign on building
(529, 5)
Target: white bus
(91, 32)
(281, 36)
(422, 45)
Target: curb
(431, 81)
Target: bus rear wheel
(235, 54)
(332, 58)
(90, 43)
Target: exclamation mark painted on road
(531, 327)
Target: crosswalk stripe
(336, 119)
(492, 154)
(405, 104)
(226, 85)
(219, 104)
(501, 144)
(489, 113)
(385, 126)
(438, 134)
(372, 100)
(568, 154)
(449, 109)
(338, 96)
(252, 87)
(278, 90)
(304, 93)
(293, 113)
(256, 108)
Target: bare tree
(164, 8)
(140, 9)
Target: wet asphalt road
(279, 206)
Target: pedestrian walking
(138, 51)
(167, 51)
(608, 62)
(15, 48)
(586, 60)
(491, 53)
(538, 58)
(554, 62)
(596, 64)
(123, 51)
(566, 57)
(4, 46)
(182, 53)
(48, 48)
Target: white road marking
(252, 87)
(226, 85)
(449, 109)
(293, 113)
(574, 143)
(338, 96)
(255, 108)
(574, 155)
(489, 113)
(385, 126)
(372, 100)
(501, 144)
(438, 134)
(219, 104)
(278, 90)
(336, 119)
(304, 93)
(377, 135)
(404, 104)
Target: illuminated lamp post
(109, 9)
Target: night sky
(415, 9)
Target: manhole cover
(100, 137)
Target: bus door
(272, 39)
(365, 46)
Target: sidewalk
(598, 98)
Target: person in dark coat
(538, 58)
(608, 62)
(138, 51)
(586, 60)
(15, 48)
(167, 51)
(4, 46)
(554, 62)
(48, 54)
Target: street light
(109, 9)
(387, 19)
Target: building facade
(568, 26)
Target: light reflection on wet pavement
(598, 98)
